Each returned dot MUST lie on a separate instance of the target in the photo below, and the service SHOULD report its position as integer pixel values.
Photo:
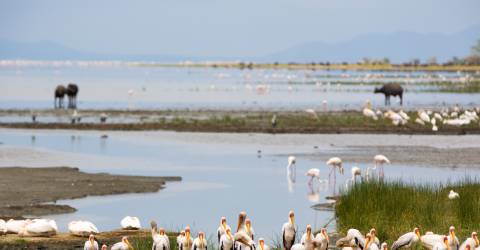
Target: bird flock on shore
(453, 117)
(244, 236)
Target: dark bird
(59, 94)
(72, 91)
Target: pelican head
(248, 225)
(125, 240)
(475, 238)
(241, 220)
(451, 230)
(309, 232)
(187, 232)
(291, 217)
(417, 232)
(229, 233)
(91, 238)
(368, 239)
(324, 232)
(384, 246)
(161, 231)
(223, 222)
(261, 242)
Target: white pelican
(370, 243)
(380, 160)
(3, 227)
(91, 243)
(472, 242)
(396, 118)
(180, 238)
(307, 236)
(82, 228)
(404, 115)
(423, 116)
(373, 234)
(186, 242)
(438, 116)
(312, 112)
(384, 246)
(200, 243)
(298, 246)
(407, 240)
(262, 245)
(39, 227)
(249, 229)
(453, 195)
(122, 245)
(442, 245)
(160, 239)
(321, 240)
(15, 226)
(429, 240)
(368, 112)
(226, 240)
(222, 229)
(353, 239)
(289, 231)
(313, 173)
(419, 121)
(130, 223)
(434, 128)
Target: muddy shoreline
(233, 121)
(34, 191)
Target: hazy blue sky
(222, 27)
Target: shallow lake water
(222, 173)
(32, 87)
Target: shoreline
(35, 191)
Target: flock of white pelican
(452, 117)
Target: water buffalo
(390, 89)
(59, 94)
(72, 91)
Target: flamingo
(335, 163)
(380, 160)
(289, 231)
(130, 223)
(313, 173)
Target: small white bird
(453, 195)
(3, 227)
(313, 173)
(423, 116)
(407, 240)
(200, 243)
(91, 243)
(289, 231)
(82, 228)
(130, 223)
(404, 115)
(122, 245)
(419, 121)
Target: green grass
(394, 208)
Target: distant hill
(398, 47)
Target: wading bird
(262, 245)
(226, 240)
(471, 241)
(222, 229)
(91, 243)
(200, 243)
(122, 245)
(321, 240)
(407, 240)
(313, 173)
(335, 163)
(307, 238)
(160, 239)
(186, 241)
(289, 231)
(380, 160)
(353, 239)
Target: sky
(222, 27)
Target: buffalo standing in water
(391, 89)
(72, 91)
(60, 92)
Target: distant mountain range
(398, 47)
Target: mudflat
(26, 190)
